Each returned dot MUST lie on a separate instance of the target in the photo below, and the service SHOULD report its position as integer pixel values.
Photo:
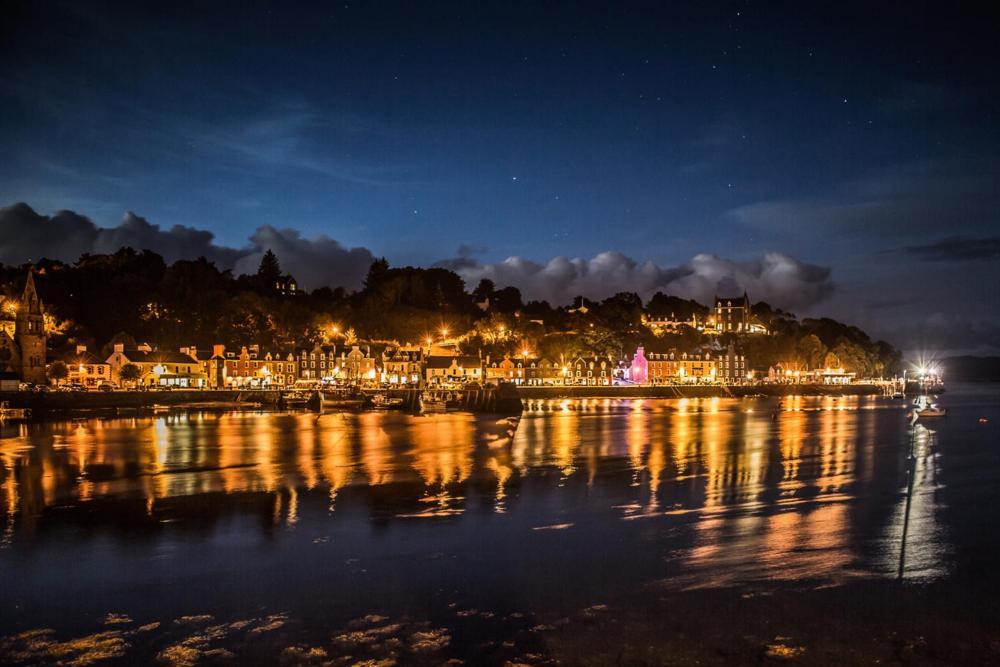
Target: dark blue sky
(850, 136)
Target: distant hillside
(971, 369)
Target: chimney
(218, 350)
(119, 348)
(80, 349)
(144, 347)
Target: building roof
(157, 357)
(742, 298)
(445, 362)
(86, 357)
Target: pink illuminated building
(639, 372)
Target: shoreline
(42, 403)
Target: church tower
(29, 334)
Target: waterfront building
(356, 367)
(86, 368)
(787, 372)
(673, 367)
(639, 369)
(317, 363)
(732, 365)
(24, 353)
(520, 370)
(452, 369)
(164, 368)
(402, 365)
(591, 371)
(250, 367)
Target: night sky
(834, 158)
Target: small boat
(925, 408)
(930, 412)
(386, 402)
(296, 399)
(438, 402)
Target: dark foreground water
(712, 531)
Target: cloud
(67, 235)
(314, 262)
(957, 249)
(775, 277)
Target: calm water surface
(821, 530)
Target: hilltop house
(733, 315)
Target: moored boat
(386, 402)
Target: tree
(58, 371)
(130, 373)
(376, 272)
(810, 350)
(269, 270)
(484, 290)
(507, 300)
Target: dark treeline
(136, 296)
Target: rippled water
(651, 531)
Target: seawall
(59, 401)
(504, 399)
(696, 391)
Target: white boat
(438, 402)
(386, 402)
(296, 399)
(924, 408)
(932, 411)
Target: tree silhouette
(58, 371)
(130, 373)
(269, 270)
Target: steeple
(30, 302)
(29, 333)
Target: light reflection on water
(765, 489)
(433, 523)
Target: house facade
(452, 369)
(157, 368)
(251, 367)
(87, 369)
(591, 371)
(732, 365)
(356, 367)
(317, 363)
(673, 367)
(402, 365)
